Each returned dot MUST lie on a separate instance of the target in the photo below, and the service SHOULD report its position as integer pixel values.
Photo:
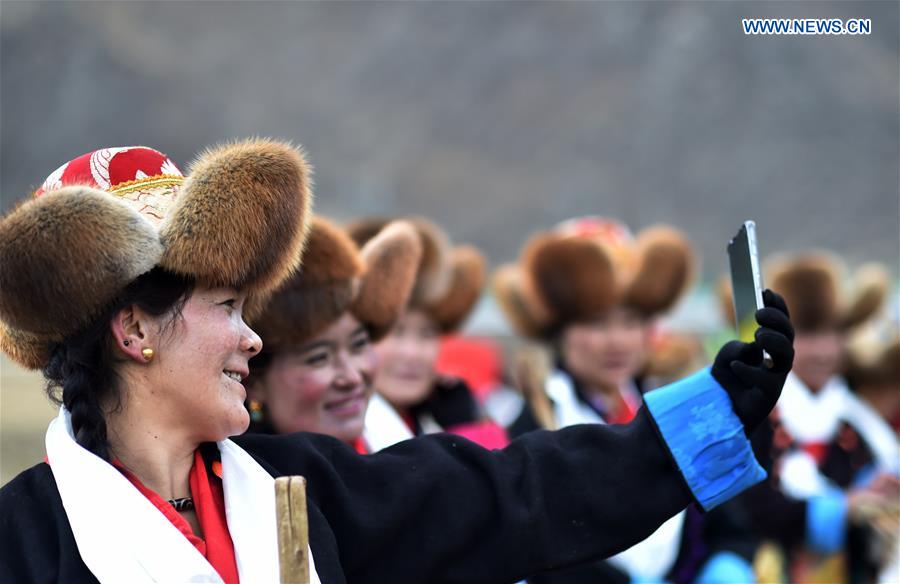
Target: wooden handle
(293, 529)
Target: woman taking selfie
(129, 289)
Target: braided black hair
(81, 371)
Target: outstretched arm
(441, 509)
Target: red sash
(209, 504)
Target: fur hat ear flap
(362, 230)
(873, 361)
(674, 356)
(526, 314)
(67, 254)
(666, 265)
(465, 289)
(435, 272)
(317, 294)
(809, 283)
(392, 260)
(574, 276)
(241, 217)
(871, 283)
(29, 351)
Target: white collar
(567, 408)
(816, 417)
(383, 425)
(123, 537)
(812, 417)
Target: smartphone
(746, 281)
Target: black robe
(433, 509)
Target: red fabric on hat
(109, 165)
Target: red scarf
(209, 505)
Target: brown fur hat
(873, 358)
(449, 280)
(242, 216)
(812, 284)
(586, 266)
(104, 218)
(373, 283)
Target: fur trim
(29, 351)
(809, 284)
(433, 278)
(674, 356)
(67, 254)
(362, 230)
(392, 259)
(527, 318)
(242, 216)
(573, 276)
(874, 362)
(666, 268)
(465, 289)
(435, 271)
(317, 294)
(870, 291)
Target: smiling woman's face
(608, 350)
(407, 358)
(323, 386)
(200, 361)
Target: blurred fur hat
(673, 355)
(585, 266)
(373, 283)
(813, 286)
(874, 360)
(449, 279)
(238, 219)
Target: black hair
(81, 374)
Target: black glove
(753, 386)
(452, 403)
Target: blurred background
(494, 118)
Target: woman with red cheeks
(412, 398)
(317, 369)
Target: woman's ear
(131, 332)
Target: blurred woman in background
(414, 399)
(590, 292)
(316, 370)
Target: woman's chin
(237, 424)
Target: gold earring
(148, 354)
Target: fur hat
(449, 279)
(585, 266)
(812, 284)
(373, 283)
(874, 362)
(101, 220)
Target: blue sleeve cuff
(726, 568)
(826, 521)
(705, 437)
